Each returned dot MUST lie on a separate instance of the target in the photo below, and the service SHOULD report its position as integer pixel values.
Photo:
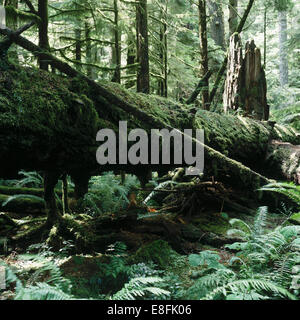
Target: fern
(42, 291)
(290, 190)
(139, 287)
(247, 285)
(31, 179)
(21, 196)
(106, 193)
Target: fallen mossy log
(39, 192)
(62, 141)
(23, 205)
(237, 138)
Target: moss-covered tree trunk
(234, 146)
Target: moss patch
(214, 223)
(157, 251)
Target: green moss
(22, 205)
(212, 223)
(157, 251)
(39, 109)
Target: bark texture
(283, 52)
(143, 77)
(233, 16)
(203, 53)
(216, 24)
(245, 86)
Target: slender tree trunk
(283, 52)
(217, 29)
(203, 52)
(265, 36)
(78, 49)
(117, 46)
(43, 31)
(50, 181)
(163, 83)
(65, 202)
(88, 49)
(131, 56)
(143, 74)
(233, 16)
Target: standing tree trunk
(50, 181)
(88, 49)
(233, 16)
(283, 53)
(65, 202)
(203, 52)
(78, 48)
(163, 83)
(43, 32)
(131, 54)
(217, 29)
(117, 46)
(265, 36)
(12, 22)
(143, 74)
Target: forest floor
(107, 255)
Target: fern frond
(247, 285)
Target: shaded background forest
(100, 40)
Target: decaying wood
(245, 86)
(233, 85)
(255, 84)
(284, 160)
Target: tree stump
(245, 86)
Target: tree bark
(203, 53)
(255, 104)
(78, 49)
(232, 99)
(245, 86)
(223, 67)
(233, 16)
(117, 45)
(50, 181)
(12, 22)
(283, 52)
(143, 74)
(43, 32)
(217, 29)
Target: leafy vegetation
(73, 229)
